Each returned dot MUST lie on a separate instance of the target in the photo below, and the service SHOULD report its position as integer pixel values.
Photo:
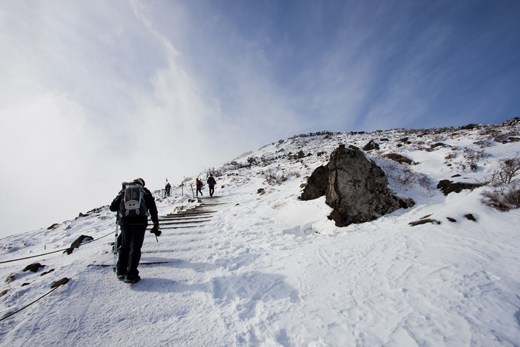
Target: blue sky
(97, 92)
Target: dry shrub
(509, 169)
(502, 200)
(452, 155)
(409, 177)
(401, 159)
(505, 194)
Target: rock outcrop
(316, 184)
(371, 145)
(448, 186)
(354, 186)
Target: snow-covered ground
(271, 270)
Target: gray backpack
(133, 204)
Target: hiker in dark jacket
(199, 187)
(167, 189)
(132, 233)
(211, 184)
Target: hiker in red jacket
(199, 187)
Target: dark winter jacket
(118, 204)
(199, 184)
(211, 182)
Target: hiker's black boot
(132, 280)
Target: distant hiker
(132, 204)
(211, 184)
(167, 189)
(199, 187)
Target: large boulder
(316, 184)
(355, 187)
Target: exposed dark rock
(61, 282)
(470, 126)
(386, 140)
(406, 202)
(47, 272)
(33, 267)
(453, 220)
(471, 217)
(424, 221)
(398, 158)
(78, 242)
(93, 211)
(316, 184)
(54, 226)
(512, 122)
(261, 191)
(457, 175)
(11, 277)
(25, 284)
(439, 144)
(5, 291)
(448, 186)
(371, 145)
(511, 139)
(354, 186)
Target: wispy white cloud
(87, 111)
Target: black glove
(155, 230)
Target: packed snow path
(237, 280)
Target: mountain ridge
(271, 270)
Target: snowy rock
(33, 267)
(371, 145)
(61, 282)
(78, 242)
(317, 184)
(470, 217)
(424, 221)
(354, 186)
(512, 122)
(448, 186)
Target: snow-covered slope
(270, 270)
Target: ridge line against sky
(98, 92)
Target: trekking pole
(115, 242)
